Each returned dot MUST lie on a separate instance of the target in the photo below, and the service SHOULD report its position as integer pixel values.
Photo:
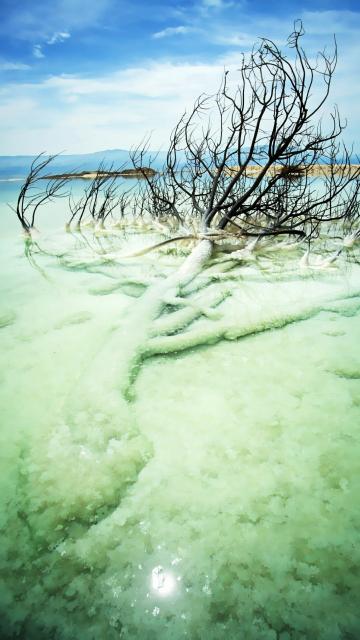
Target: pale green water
(221, 503)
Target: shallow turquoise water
(220, 502)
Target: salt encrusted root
(180, 319)
(210, 334)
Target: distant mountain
(18, 166)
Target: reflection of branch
(30, 256)
(32, 248)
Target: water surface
(220, 502)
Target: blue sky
(86, 75)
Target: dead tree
(101, 198)
(229, 156)
(95, 200)
(33, 194)
(227, 176)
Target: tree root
(149, 328)
(218, 331)
(173, 322)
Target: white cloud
(58, 36)
(153, 80)
(172, 31)
(14, 66)
(216, 4)
(234, 39)
(37, 21)
(37, 51)
(117, 109)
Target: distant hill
(18, 166)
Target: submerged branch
(223, 330)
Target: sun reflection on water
(163, 582)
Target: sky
(87, 75)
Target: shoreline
(318, 170)
(90, 175)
